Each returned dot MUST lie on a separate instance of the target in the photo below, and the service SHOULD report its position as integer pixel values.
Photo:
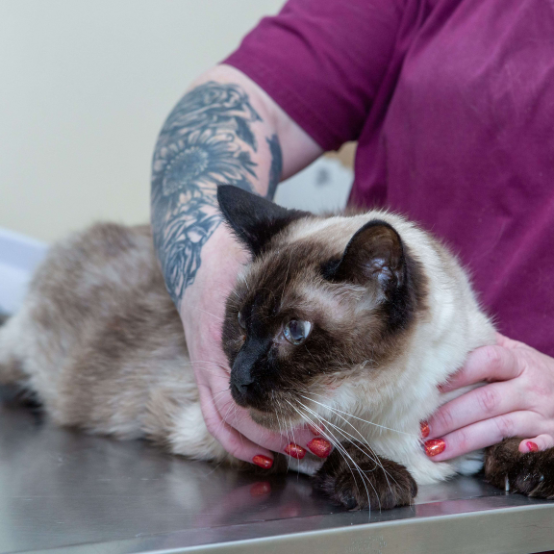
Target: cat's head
(324, 300)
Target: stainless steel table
(63, 490)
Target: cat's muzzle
(246, 389)
(242, 381)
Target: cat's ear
(254, 220)
(374, 253)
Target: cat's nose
(243, 382)
(240, 392)
(241, 378)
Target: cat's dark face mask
(285, 347)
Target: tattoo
(200, 146)
(276, 165)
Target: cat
(345, 322)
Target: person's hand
(517, 402)
(202, 312)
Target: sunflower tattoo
(207, 140)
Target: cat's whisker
(212, 372)
(373, 456)
(230, 409)
(217, 373)
(278, 406)
(219, 394)
(336, 410)
(349, 438)
(359, 438)
(363, 440)
(329, 436)
(212, 362)
(203, 362)
(294, 441)
(243, 278)
(343, 452)
(218, 317)
(223, 405)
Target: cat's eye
(242, 322)
(296, 331)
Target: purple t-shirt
(452, 102)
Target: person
(452, 104)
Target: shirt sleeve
(323, 61)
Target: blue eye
(296, 331)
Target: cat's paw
(531, 474)
(358, 480)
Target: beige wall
(84, 89)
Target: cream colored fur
(59, 346)
(396, 399)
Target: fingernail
(295, 451)
(262, 461)
(314, 430)
(424, 429)
(260, 489)
(532, 446)
(434, 447)
(320, 447)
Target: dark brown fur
(107, 351)
(531, 474)
(378, 289)
(382, 485)
(272, 295)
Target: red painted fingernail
(262, 461)
(295, 451)
(320, 447)
(314, 430)
(434, 447)
(424, 429)
(532, 446)
(260, 489)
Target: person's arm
(224, 130)
(323, 63)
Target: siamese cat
(344, 322)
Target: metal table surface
(66, 491)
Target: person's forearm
(225, 130)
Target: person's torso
(461, 140)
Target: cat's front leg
(531, 473)
(354, 477)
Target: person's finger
(476, 405)
(536, 444)
(232, 441)
(482, 434)
(507, 342)
(292, 442)
(488, 363)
